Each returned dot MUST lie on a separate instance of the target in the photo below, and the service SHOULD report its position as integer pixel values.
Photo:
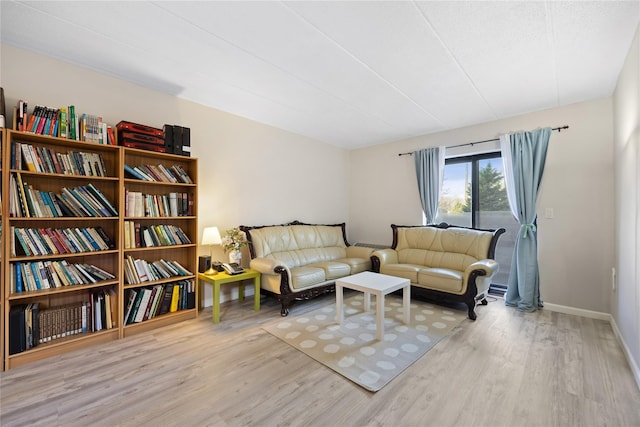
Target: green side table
(221, 278)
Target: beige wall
(249, 173)
(254, 174)
(575, 247)
(626, 299)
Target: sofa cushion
(356, 265)
(298, 242)
(407, 271)
(333, 270)
(451, 248)
(440, 279)
(303, 277)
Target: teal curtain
(524, 155)
(429, 172)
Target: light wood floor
(506, 369)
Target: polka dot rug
(352, 350)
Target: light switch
(548, 213)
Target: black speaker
(204, 263)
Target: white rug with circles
(351, 349)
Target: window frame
(474, 159)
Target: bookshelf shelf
(157, 322)
(74, 288)
(106, 181)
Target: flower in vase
(233, 240)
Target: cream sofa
(300, 261)
(443, 262)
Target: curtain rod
(559, 129)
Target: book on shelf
(139, 236)
(54, 241)
(140, 270)
(32, 325)
(63, 122)
(24, 327)
(81, 201)
(51, 274)
(175, 298)
(149, 302)
(159, 173)
(17, 328)
(138, 204)
(32, 158)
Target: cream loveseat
(300, 261)
(443, 262)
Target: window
(474, 195)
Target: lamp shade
(211, 236)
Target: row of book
(31, 325)
(43, 159)
(146, 303)
(140, 270)
(159, 173)
(139, 204)
(55, 241)
(147, 236)
(34, 276)
(82, 201)
(63, 122)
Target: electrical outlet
(548, 213)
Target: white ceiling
(349, 73)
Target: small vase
(235, 257)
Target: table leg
(256, 294)
(367, 302)
(241, 291)
(216, 302)
(339, 313)
(406, 303)
(200, 293)
(379, 316)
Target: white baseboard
(632, 363)
(607, 317)
(578, 311)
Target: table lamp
(211, 236)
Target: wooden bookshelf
(184, 253)
(2, 246)
(53, 298)
(112, 186)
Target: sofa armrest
(386, 256)
(359, 252)
(487, 266)
(265, 265)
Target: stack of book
(31, 325)
(37, 275)
(83, 201)
(50, 241)
(147, 236)
(140, 271)
(138, 204)
(63, 122)
(159, 173)
(43, 159)
(147, 303)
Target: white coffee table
(379, 285)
